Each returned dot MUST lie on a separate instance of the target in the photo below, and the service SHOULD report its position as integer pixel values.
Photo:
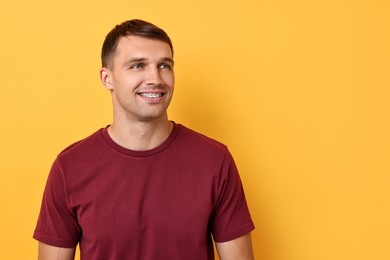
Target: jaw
(141, 109)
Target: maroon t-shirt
(164, 203)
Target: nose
(153, 77)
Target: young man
(143, 187)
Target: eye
(165, 66)
(137, 66)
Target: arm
(48, 252)
(237, 249)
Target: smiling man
(144, 187)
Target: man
(144, 187)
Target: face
(140, 78)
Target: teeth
(151, 95)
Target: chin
(152, 117)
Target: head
(132, 27)
(137, 59)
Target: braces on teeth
(151, 95)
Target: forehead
(141, 47)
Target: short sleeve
(231, 218)
(57, 224)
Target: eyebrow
(134, 60)
(167, 59)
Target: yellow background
(298, 90)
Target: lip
(152, 92)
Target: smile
(151, 95)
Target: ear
(106, 78)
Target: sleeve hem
(234, 234)
(54, 242)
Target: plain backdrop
(298, 90)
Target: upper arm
(48, 252)
(236, 249)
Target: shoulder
(198, 140)
(85, 146)
(201, 147)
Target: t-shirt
(164, 203)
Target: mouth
(151, 95)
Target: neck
(140, 135)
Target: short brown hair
(132, 27)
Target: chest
(134, 202)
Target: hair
(132, 27)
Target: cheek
(169, 80)
(128, 83)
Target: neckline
(145, 153)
